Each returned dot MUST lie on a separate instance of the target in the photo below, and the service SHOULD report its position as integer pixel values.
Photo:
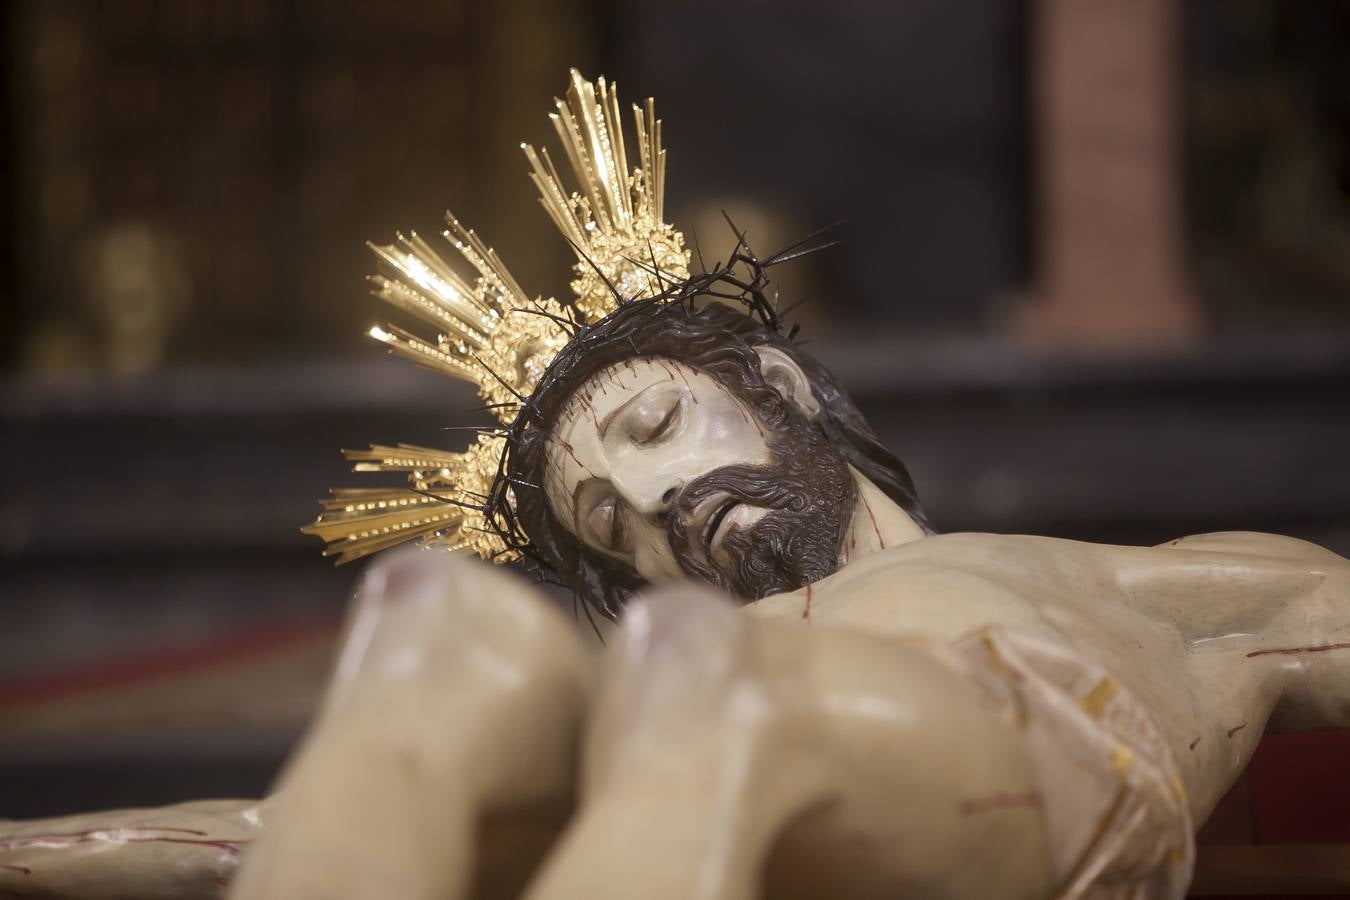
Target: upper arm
(1254, 543)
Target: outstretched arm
(183, 852)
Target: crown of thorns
(517, 349)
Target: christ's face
(659, 466)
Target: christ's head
(694, 443)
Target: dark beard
(810, 495)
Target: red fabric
(1300, 793)
(166, 662)
(1301, 788)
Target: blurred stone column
(1111, 257)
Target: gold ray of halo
(493, 334)
(440, 506)
(489, 332)
(615, 223)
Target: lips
(706, 522)
(713, 532)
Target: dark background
(186, 186)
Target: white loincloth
(1118, 823)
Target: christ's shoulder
(949, 585)
(944, 586)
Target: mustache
(806, 493)
(795, 543)
(761, 486)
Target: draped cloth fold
(1115, 808)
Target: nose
(649, 494)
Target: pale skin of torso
(816, 743)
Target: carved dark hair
(714, 338)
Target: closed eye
(664, 426)
(608, 526)
(618, 532)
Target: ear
(787, 378)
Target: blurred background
(1094, 282)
